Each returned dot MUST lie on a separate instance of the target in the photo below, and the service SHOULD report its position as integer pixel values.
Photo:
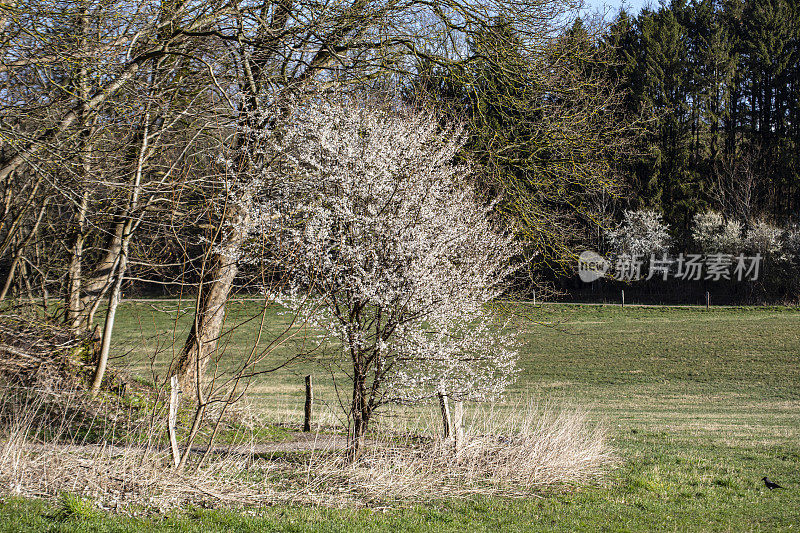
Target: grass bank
(701, 405)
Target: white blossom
(640, 234)
(374, 220)
(763, 238)
(790, 243)
(711, 233)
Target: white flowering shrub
(641, 233)
(763, 238)
(378, 228)
(790, 243)
(788, 260)
(711, 233)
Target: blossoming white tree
(641, 233)
(763, 238)
(380, 226)
(712, 233)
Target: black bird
(770, 485)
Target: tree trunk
(118, 250)
(361, 411)
(108, 327)
(12, 269)
(75, 270)
(214, 291)
(85, 156)
(96, 287)
(356, 445)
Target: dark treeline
(722, 79)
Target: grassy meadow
(700, 405)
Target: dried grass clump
(512, 452)
(509, 452)
(131, 471)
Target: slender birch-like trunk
(18, 254)
(117, 271)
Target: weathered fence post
(309, 403)
(623, 297)
(445, 406)
(708, 299)
(172, 421)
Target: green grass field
(701, 405)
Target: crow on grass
(770, 485)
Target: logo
(688, 267)
(592, 266)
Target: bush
(711, 233)
(641, 233)
(763, 239)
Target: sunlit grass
(700, 404)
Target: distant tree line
(755, 264)
(721, 80)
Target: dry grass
(130, 471)
(512, 452)
(509, 451)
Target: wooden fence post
(172, 421)
(708, 299)
(309, 403)
(445, 406)
(623, 297)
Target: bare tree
(735, 186)
(99, 137)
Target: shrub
(382, 232)
(641, 233)
(763, 238)
(711, 233)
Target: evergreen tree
(721, 80)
